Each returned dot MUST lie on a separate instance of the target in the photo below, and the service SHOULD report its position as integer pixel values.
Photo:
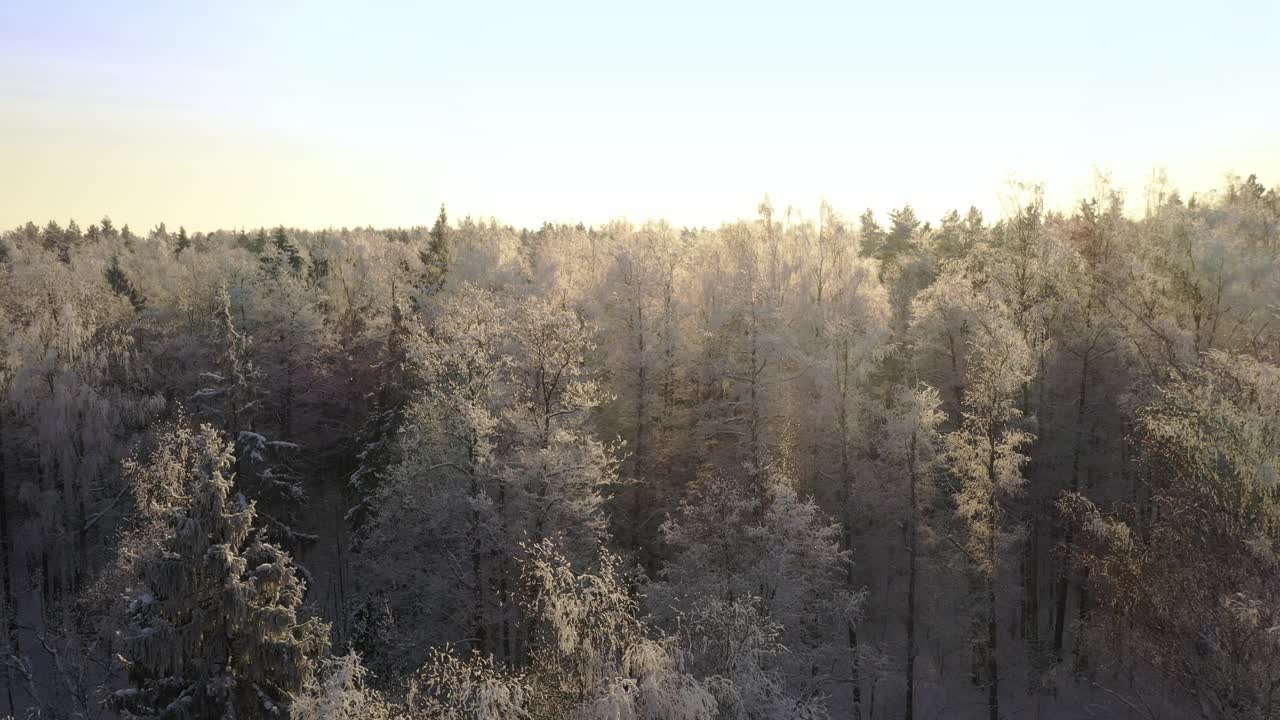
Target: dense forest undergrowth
(790, 467)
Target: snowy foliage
(211, 621)
(790, 466)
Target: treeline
(789, 467)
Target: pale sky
(230, 114)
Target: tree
(159, 234)
(746, 278)
(759, 567)
(212, 624)
(901, 238)
(496, 449)
(437, 255)
(913, 446)
(956, 238)
(855, 333)
(182, 242)
(871, 236)
(596, 657)
(984, 456)
(121, 285)
(282, 256)
(1190, 586)
(1087, 336)
(339, 691)
(944, 318)
(640, 306)
(234, 394)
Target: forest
(797, 466)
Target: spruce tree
(435, 258)
(183, 241)
(212, 627)
(285, 253)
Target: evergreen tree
(871, 236)
(182, 243)
(285, 254)
(121, 285)
(212, 625)
(234, 395)
(437, 255)
(901, 238)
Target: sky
(245, 114)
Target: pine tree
(901, 237)
(871, 236)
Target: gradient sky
(229, 114)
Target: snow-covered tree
(1189, 584)
(594, 657)
(496, 448)
(773, 559)
(913, 448)
(436, 256)
(211, 624)
(339, 691)
(641, 305)
(984, 455)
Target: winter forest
(801, 465)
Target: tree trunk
(640, 467)
(911, 580)
(993, 668)
(1079, 650)
(503, 609)
(640, 393)
(843, 492)
(477, 579)
(993, 634)
(10, 612)
(340, 597)
(755, 407)
(855, 674)
(1060, 611)
(288, 403)
(1031, 582)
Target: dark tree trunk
(6, 557)
(855, 674)
(993, 633)
(911, 581)
(1060, 611)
